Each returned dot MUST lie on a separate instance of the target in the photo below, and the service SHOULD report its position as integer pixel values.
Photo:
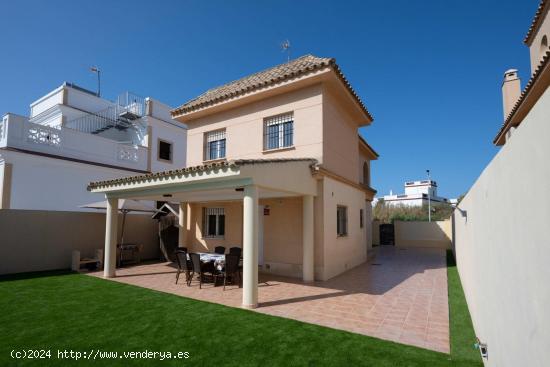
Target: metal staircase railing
(121, 116)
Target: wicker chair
(201, 268)
(236, 251)
(219, 250)
(230, 270)
(184, 266)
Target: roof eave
(530, 94)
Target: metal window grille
(214, 145)
(213, 222)
(279, 131)
(341, 220)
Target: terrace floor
(398, 295)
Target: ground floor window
(341, 220)
(213, 222)
(361, 220)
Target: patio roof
(217, 181)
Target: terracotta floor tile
(403, 299)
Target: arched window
(366, 173)
(543, 46)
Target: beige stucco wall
(436, 234)
(244, 127)
(35, 240)
(343, 253)
(502, 246)
(233, 227)
(341, 143)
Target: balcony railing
(70, 143)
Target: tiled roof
(369, 147)
(535, 23)
(277, 74)
(193, 169)
(505, 126)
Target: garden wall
(502, 246)
(423, 234)
(35, 240)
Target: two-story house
(275, 165)
(73, 136)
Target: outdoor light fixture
(239, 189)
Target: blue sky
(429, 71)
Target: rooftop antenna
(95, 69)
(285, 46)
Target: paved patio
(398, 295)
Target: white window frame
(215, 136)
(280, 121)
(218, 212)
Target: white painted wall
(502, 245)
(42, 183)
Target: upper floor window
(341, 221)
(164, 150)
(214, 145)
(213, 222)
(279, 131)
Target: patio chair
(201, 268)
(184, 266)
(230, 270)
(236, 251)
(219, 250)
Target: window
(214, 145)
(165, 150)
(361, 220)
(341, 221)
(278, 131)
(213, 222)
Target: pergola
(246, 180)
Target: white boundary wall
(502, 244)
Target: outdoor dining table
(217, 259)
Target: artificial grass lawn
(460, 322)
(80, 313)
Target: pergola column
(111, 230)
(308, 262)
(250, 247)
(181, 224)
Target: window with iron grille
(214, 145)
(279, 131)
(213, 222)
(341, 221)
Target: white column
(182, 224)
(308, 262)
(111, 234)
(250, 247)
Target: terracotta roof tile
(535, 23)
(277, 74)
(193, 169)
(505, 126)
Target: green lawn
(59, 311)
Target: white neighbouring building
(417, 193)
(72, 137)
